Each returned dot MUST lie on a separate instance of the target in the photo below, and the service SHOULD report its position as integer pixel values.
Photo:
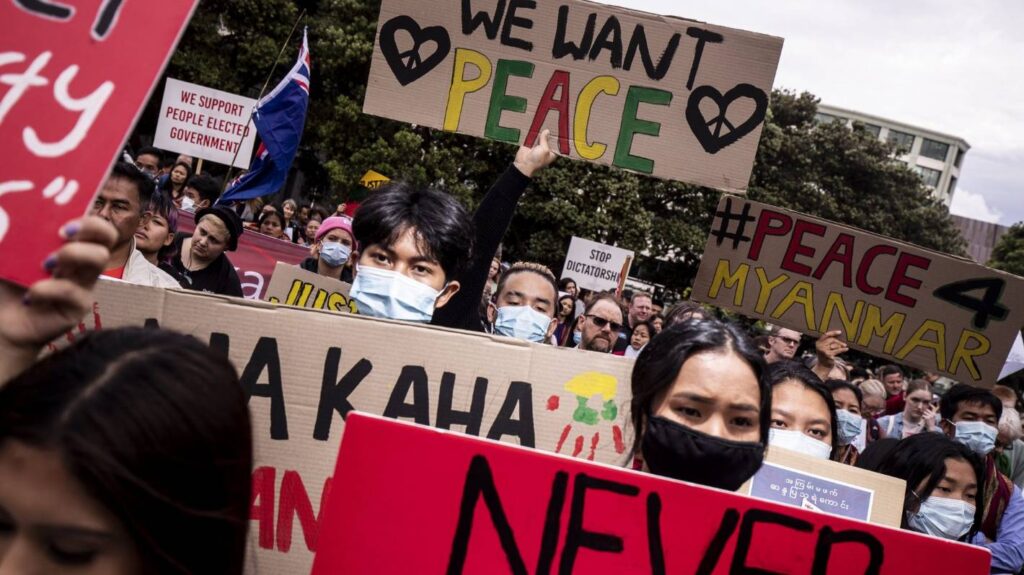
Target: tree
(1008, 254)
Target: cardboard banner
(206, 123)
(305, 370)
(596, 267)
(372, 180)
(292, 285)
(256, 256)
(891, 299)
(411, 500)
(75, 82)
(829, 487)
(658, 95)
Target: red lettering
(900, 278)
(845, 243)
(865, 268)
(263, 483)
(765, 228)
(295, 502)
(796, 248)
(559, 81)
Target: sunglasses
(789, 340)
(600, 322)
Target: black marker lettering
(511, 20)
(446, 416)
(491, 24)
(334, 393)
(714, 551)
(265, 358)
(751, 518)
(702, 36)
(639, 42)
(552, 523)
(576, 536)
(609, 38)
(419, 410)
(563, 48)
(654, 545)
(519, 395)
(827, 538)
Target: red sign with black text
(73, 80)
(410, 499)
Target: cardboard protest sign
(891, 299)
(829, 487)
(255, 258)
(305, 370)
(658, 95)
(407, 499)
(595, 266)
(372, 180)
(76, 80)
(292, 285)
(206, 123)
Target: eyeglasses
(600, 322)
(789, 340)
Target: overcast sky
(952, 66)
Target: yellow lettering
(873, 326)
(834, 303)
(966, 355)
(321, 298)
(918, 340)
(801, 293)
(584, 104)
(307, 290)
(723, 275)
(766, 288)
(293, 293)
(462, 86)
(337, 302)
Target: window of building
(959, 156)
(823, 118)
(952, 186)
(934, 150)
(902, 140)
(929, 176)
(869, 128)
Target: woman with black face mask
(701, 405)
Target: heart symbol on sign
(719, 132)
(409, 65)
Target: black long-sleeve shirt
(492, 219)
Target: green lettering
(500, 101)
(632, 125)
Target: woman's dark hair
(835, 385)
(964, 393)
(155, 426)
(267, 215)
(564, 283)
(572, 308)
(443, 229)
(167, 186)
(658, 365)
(786, 370)
(921, 458)
(683, 311)
(876, 452)
(650, 328)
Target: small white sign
(595, 266)
(206, 123)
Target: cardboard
(829, 487)
(306, 369)
(894, 300)
(596, 266)
(206, 123)
(255, 258)
(406, 499)
(372, 180)
(658, 95)
(74, 82)
(292, 285)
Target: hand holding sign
(531, 160)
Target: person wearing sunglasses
(782, 344)
(600, 324)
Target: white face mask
(800, 442)
(943, 517)
(522, 322)
(849, 426)
(978, 435)
(391, 295)
(187, 204)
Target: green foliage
(1008, 254)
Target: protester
(700, 405)
(333, 246)
(942, 485)
(851, 428)
(600, 324)
(970, 415)
(658, 323)
(201, 192)
(639, 311)
(250, 211)
(892, 377)
(201, 261)
(129, 452)
(782, 344)
(918, 413)
(290, 223)
(683, 311)
(154, 237)
(875, 453)
(173, 186)
(271, 223)
(524, 305)
(1010, 460)
(803, 414)
(642, 333)
(148, 161)
(566, 316)
(312, 226)
(826, 363)
(122, 201)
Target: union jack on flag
(280, 117)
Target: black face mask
(674, 450)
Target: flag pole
(270, 76)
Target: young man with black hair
(201, 192)
(525, 303)
(122, 201)
(416, 246)
(148, 160)
(970, 415)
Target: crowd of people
(130, 451)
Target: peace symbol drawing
(409, 63)
(718, 132)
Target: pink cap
(336, 223)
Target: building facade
(935, 156)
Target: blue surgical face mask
(849, 426)
(943, 517)
(391, 295)
(800, 442)
(522, 322)
(978, 435)
(577, 337)
(334, 254)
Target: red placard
(73, 79)
(410, 499)
(255, 258)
